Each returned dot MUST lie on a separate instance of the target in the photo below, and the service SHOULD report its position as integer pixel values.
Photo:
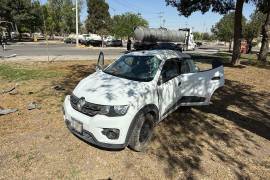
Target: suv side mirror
(100, 63)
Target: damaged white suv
(119, 105)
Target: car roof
(161, 54)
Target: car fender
(152, 108)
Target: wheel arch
(150, 108)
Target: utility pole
(77, 25)
(164, 21)
(161, 14)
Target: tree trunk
(237, 32)
(265, 39)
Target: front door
(167, 88)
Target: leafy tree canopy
(187, 7)
(263, 6)
(224, 29)
(25, 13)
(253, 27)
(121, 28)
(98, 20)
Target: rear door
(197, 87)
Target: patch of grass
(20, 73)
(75, 173)
(18, 155)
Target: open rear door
(197, 88)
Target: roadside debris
(13, 92)
(7, 111)
(8, 90)
(59, 88)
(33, 105)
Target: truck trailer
(148, 38)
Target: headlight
(114, 110)
(121, 110)
(104, 110)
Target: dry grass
(226, 140)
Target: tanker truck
(148, 38)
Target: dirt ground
(230, 139)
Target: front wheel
(142, 132)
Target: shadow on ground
(183, 138)
(76, 73)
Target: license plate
(77, 126)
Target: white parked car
(119, 105)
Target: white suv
(120, 104)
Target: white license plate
(77, 126)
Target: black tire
(142, 132)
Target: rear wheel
(142, 132)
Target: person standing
(3, 40)
(129, 44)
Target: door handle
(216, 78)
(179, 84)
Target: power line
(161, 16)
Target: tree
(264, 7)
(197, 36)
(4, 10)
(60, 16)
(187, 7)
(120, 27)
(224, 29)
(252, 29)
(36, 23)
(68, 17)
(55, 15)
(25, 14)
(237, 32)
(98, 20)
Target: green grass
(21, 73)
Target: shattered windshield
(138, 68)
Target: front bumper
(89, 137)
(93, 127)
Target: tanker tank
(144, 34)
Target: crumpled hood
(104, 89)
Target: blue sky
(149, 9)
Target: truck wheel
(142, 132)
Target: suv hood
(104, 89)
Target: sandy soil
(227, 140)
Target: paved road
(57, 50)
(31, 51)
